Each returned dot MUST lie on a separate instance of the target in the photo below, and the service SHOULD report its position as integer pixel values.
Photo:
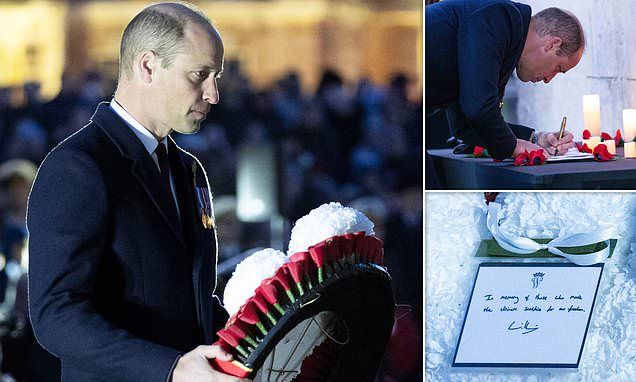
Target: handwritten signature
(525, 326)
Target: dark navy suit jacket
(117, 289)
(472, 47)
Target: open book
(573, 154)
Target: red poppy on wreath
(248, 314)
(618, 138)
(601, 154)
(269, 292)
(241, 331)
(586, 134)
(264, 307)
(233, 341)
(309, 267)
(296, 271)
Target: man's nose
(211, 91)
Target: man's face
(185, 91)
(540, 61)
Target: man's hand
(526, 145)
(194, 366)
(552, 144)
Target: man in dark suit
(122, 238)
(472, 47)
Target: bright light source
(256, 206)
(256, 190)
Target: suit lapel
(194, 234)
(143, 167)
(204, 250)
(185, 195)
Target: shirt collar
(146, 138)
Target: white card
(528, 315)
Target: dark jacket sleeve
(67, 222)
(521, 132)
(483, 38)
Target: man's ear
(147, 64)
(553, 44)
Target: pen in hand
(561, 131)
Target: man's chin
(522, 76)
(524, 79)
(189, 129)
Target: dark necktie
(164, 166)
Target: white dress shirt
(148, 140)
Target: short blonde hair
(562, 24)
(161, 28)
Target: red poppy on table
(601, 154)
(606, 137)
(579, 146)
(478, 151)
(618, 139)
(586, 134)
(522, 159)
(586, 149)
(270, 293)
(537, 158)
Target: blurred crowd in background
(359, 144)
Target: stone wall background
(607, 68)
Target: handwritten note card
(528, 315)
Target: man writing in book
(472, 48)
(122, 254)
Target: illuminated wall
(268, 37)
(32, 44)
